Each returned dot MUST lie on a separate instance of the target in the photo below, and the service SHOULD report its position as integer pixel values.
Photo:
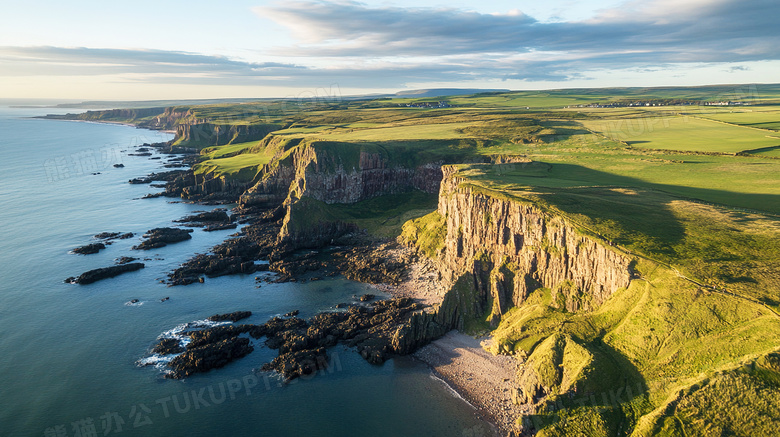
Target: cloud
(172, 67)
(68, 61)
(737, 68)
(358, 46)
(653, 31)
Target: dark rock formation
(104, 273)
(215, 216)
(108, 236)
(208, 348)
(378, 330)
(167, 346)
(159, 237)
(365, 263)
(233, 317)
(216, 334)
(209, 356)
(236, 255)
(166, 176)
(220, 227)
(119, 165)
(371, 329)
(125, 259)
(89, 249)
(303, 362)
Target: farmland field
(674, 132)
(762, 117)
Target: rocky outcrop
(109, 236)
(233, 317)
(371, 329)
(206, 187)
(209, 356)
(205, 218)
(89, 249)
(159, 237)
(166, 176)
(168, 346)
(512, 248)
(104, 273)
(233, 256)
(125, 259)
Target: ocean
(69, 353)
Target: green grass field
(395, 133)
(672, 132)
(761, 117)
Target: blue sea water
(68, 353)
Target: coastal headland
(572, 262)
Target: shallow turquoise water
(68, 353)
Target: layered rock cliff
(495, 252)
(209, 187)
(168, 119)
(202, 133)
(513, 248)
(306, 174)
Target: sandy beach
(483, 379)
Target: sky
(146, 50)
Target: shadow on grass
(626, 211)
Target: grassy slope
(234, 161)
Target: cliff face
(496, 251)
(203, 134)
(306, 174)
(512, 248)
(372, 177)
(206, 187)
(168, 120)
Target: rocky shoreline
(377, 330)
